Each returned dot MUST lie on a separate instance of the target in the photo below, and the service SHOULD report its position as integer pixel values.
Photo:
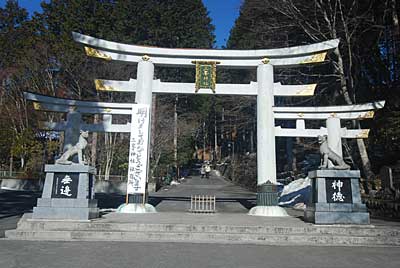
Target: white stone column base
(268, 211)
(136, 208)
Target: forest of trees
(38, 54)
(363, 69)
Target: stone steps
(145, 227)
(203, 233)
(204, 237)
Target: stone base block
(136, 208)
(335, 198)
(268, 211)
(62, 202)
(68, 194)
(332, 217)
(62, 213)
(328, 207)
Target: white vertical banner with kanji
(138, 149)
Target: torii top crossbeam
(244, 59)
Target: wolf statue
(76, 149)
(328, 154)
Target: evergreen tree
(16, 39)
(268, 24)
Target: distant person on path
(203, 171)
(207, 169)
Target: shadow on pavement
(114, 200)
(17, 202)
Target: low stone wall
(101, 186)
(21, 184)
(116, 187)
(108, 187)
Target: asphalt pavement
(132, 254)
(25, 254)
(231, 198)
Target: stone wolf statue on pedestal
(76, 149)
(328, 154)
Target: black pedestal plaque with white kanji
(335, 198)
(338, 190)
(65, 185)
(67, 194)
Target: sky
(222, 12)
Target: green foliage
(26, 147)
(120, 160)
(13, 34)
(6, 135)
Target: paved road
(12, 205)
(231, 198)
(130, 254)
(215, 185)
(23, 254)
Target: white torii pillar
(266, 161)
(145, 75)
(334, 136)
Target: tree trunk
(11, 164)
(204, 140)
(216, 156)
(252, 140)
(289, 154)
(395, 18)
(109, 143)
(152, 136)
(295, 151)
(155, 165)
(176, 135)
(61, 148)
(222, 130)
(153, 125)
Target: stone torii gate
(265, 89)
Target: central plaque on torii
(206, 75)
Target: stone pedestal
(136, 204)
(68, 193)
(335, 198)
